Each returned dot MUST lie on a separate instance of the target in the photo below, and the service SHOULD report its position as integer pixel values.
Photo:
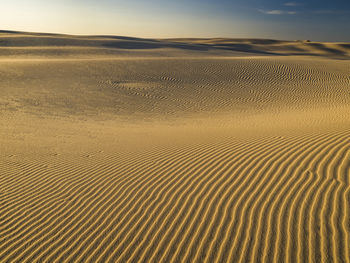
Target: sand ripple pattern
(175, 87)
(282, 199)
(193, 86)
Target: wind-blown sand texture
(119, 149)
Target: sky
(316, 20)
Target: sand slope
(179, 150)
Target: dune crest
(23, 44)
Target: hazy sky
(322, 20)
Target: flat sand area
(116, 149)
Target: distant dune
(120, 149)
(20, 43)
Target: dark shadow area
(152, 45)
(347, 46)
(327, 49)
(35, 33)
(242, 48)
(131, 45)
(125, 38)
(290, 49)
(266, 41)
(10, 32)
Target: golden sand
(183, 150)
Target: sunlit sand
(180, 150)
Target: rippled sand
(185, 150)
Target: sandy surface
(119, 149)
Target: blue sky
(316, 20)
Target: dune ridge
(23, 44)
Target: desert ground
(120, 149)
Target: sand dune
(21, 43)
(119, 149)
